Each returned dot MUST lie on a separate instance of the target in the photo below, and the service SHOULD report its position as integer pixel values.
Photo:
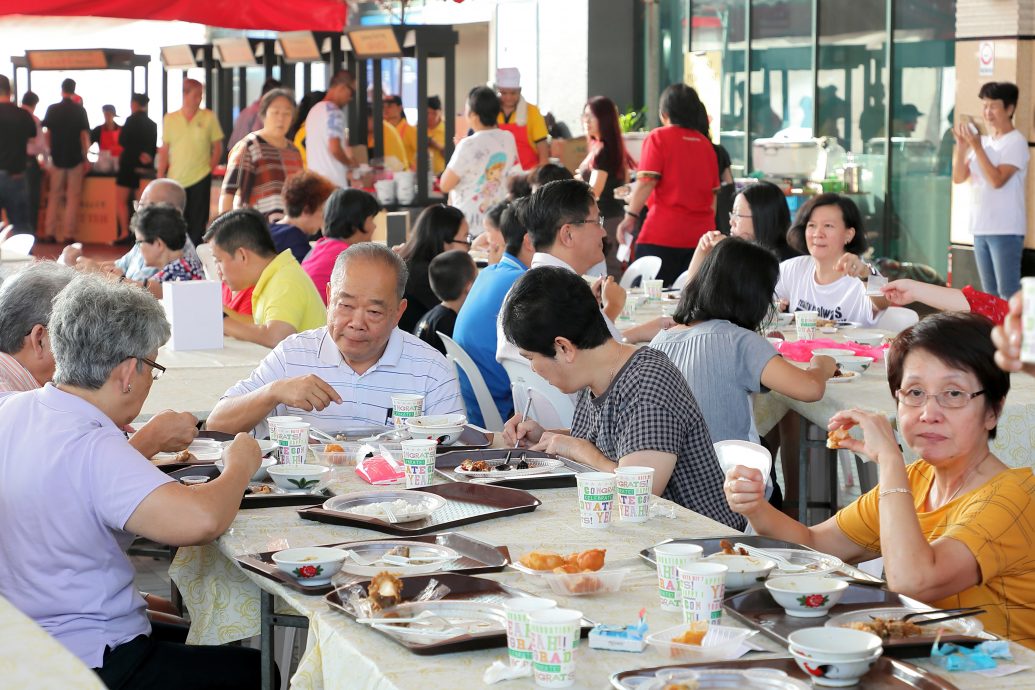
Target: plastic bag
(380, 469)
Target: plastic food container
(719, 644)
(578, 584)
(352, 452)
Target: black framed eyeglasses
(950, 399)
(469, 241)
(156, 369)
(599, 220)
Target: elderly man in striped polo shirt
(343, 375)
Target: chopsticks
(949, 615)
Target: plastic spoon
(781, 562)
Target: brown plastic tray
(757, 608)
(465, 503)
(476, 557)
(461, 588)
(559, 478)
(886, 674)
(470, 438)
(273, 500)
(711, 546)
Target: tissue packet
(380, 469)
(982, 657)
(620, 638)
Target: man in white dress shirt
(342, 376)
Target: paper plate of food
(399, 557)
(201, 450)
(887, 623)
(519, 466)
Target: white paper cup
(555, 636)
(272, 423)
(1027, 320)
(519, 638)
(702, 586)
(633, 488)
(293, 442)
(418, 461)
(596, 496)
(653, 288)
(670, 558)
(805, 324)
(405, 183)
(734, 452)
(385, 191)
(406, 406)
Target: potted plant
(633, 123)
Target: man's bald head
(164, 191)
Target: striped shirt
(408, 365)
(255, 174)
(14, 378)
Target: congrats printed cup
(633, 486)
(418, 461)
(670, 558)
(653, 289)
(406, 406)
(555, 635)
(519, 637)
(293, 442)
(702, 586)
(1027, 321)
(596, 498)
(273, 423)
(805, 324)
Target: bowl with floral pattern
(299, 478)
(311, 565)
(804, 596)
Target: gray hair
(96, 325)
(374, 252)
(26, 300)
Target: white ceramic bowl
(784, 318)
(867, 338)
(743, 571)
(437, 420)
(260, 474)
(311, 565)
(834, 643)
(804, 596)
(298, 477)
(837, 353)
(446, 429)
(855, 363)
(835, 673)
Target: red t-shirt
(240, 302)
(992, 307)
(681, 203)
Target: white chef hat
(508, 78)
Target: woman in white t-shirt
(827, 280)
(995, 165)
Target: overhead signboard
(178, 57)
(234, 52)
(66, 59)
(299, 46)
(375, 42)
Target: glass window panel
(717, 29)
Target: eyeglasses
(739, 215)
(589, 221)
(950, 399)
(144, 242)
(469, 241)
(156, 369)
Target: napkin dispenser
(195, 312)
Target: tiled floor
(152, 575)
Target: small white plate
(845, 377)
(971, 626)
(203, 450)
(535, 466)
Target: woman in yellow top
(954, 527)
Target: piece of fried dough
(835, 437)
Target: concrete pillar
(1008, 26)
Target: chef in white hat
(522, 119)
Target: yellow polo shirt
(534, 122)
(286, 293)
(190, 144)
(408, 134)
(995, 522)
(438, 135)
(394, 147)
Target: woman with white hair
(73, 493)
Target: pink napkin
(379, 469)
(801, 350)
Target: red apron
(527, 155)
(110, 142)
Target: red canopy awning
(269, 15)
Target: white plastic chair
(208, 261)
(681, 280)
(18, 245)
(550, 407)
(897, 319)
(462, 361)
(644, 268)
